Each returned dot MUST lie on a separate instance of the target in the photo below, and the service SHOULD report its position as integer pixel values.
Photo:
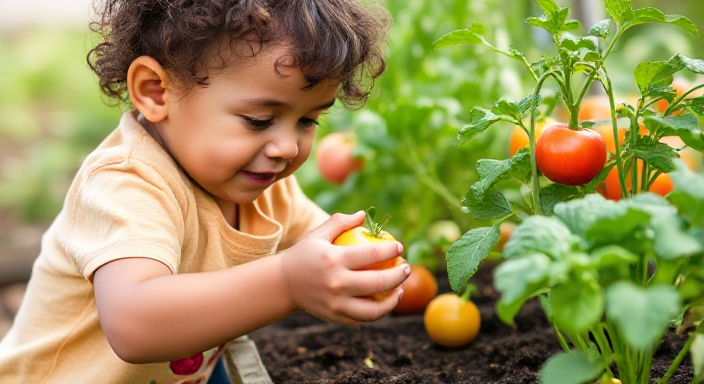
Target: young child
(185, 228)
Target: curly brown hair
(337, 40)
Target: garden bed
(396, 349)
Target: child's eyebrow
(278, 103)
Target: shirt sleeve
(122, 210)
(304, 215)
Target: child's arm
(150, 315)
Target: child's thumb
(338, 223)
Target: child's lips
(260, 178)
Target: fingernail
(407, 270)
(400, 248)
(400, 295)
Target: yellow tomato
(451, 321)
(361, 235)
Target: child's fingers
(361, 256)
(372, 282)
(337, 224)
(364, 309)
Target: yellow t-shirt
(130, 199)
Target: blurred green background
(52, 114)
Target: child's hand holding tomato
(334, 283)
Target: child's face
(249, 128)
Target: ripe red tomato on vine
(570, 156)
(335, 159)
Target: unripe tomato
(334, 157)
(361, 235)
(444, 229)
(419, 289)
(519, 137)
(451, 321)
(506, 229)
(570, 157)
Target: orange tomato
(519, 137)
(506, 228)
(680, 86)
(606, 132)
(420, 287)
(662, 185)
(451, 321)
(361, 235)
(334, 157)
(595, 108)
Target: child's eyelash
(258, 123)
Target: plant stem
(679, 100)
(614, 125)
(563, 342)
(678, 360)
(635, 132)
(537, 205)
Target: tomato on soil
(334, 157)
(570, 157)
(419, 289)
(451, 321)
(519, 137)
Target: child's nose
(284, 145)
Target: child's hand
(326, 281)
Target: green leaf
(514, 278)
(576, 305)
(577, 44)
(641, 315)
(557, 193)
(471, 36)
(697, 352)
(654, 73)
(611, 255)
(492, 171)
(492, 205)
(547, 5)
(507, 311)
(540, 234)
(645, 15)
(465, 254)
(571, 25)
(672, 240)
(688, 195)
(685, 126)
(553, 21)
(573, 367)
(616, 8)
(656, 154)
(481, 119)
(600, 29)
(580, 214)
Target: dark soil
(396, 349)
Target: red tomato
(570, 157)
(334, 157)
(419, 289)
(595, 108)
(451, 321)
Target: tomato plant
(371, 232)
(419, 289)
(611, 276)
(570, 157)
(452, 321)
(335, 158)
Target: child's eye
(257, 124)
(308, 123)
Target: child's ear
(147, 84)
